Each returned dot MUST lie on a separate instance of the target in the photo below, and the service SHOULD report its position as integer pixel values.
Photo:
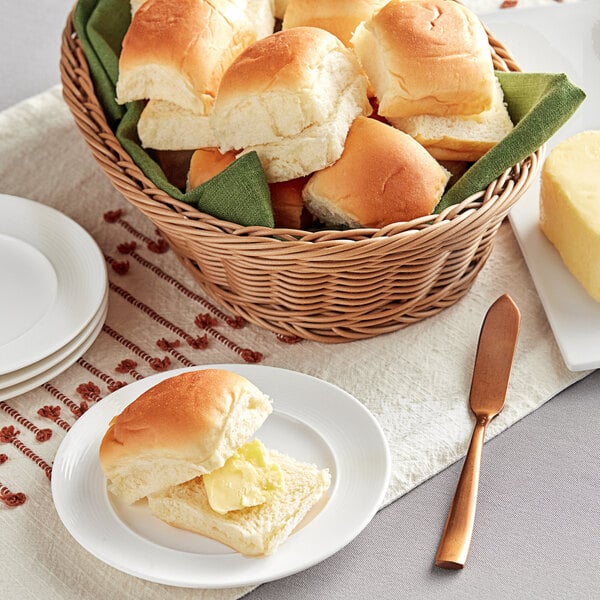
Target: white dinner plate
(562, 38)
(75, 351)
(54, 280)
(26, 373)
(312, 421)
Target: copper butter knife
(495, 351)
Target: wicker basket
(327, 286)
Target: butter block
(570, 206)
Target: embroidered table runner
(415, 381)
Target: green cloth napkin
(539, 104)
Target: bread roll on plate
(426, 57)
(255, 530)
(182, 427)
(383, 176)
(339, 17)
(460, 138)
(291, 97)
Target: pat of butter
(246, 479)
(570, 206)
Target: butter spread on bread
(248, 478)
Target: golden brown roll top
(205, 164)
(383, 176)
(182, 427)
(426, 57)
(339, 17)
(178, 50)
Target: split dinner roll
(291, 97)
(178, 50)
(174, 55)
(339, 17)
(426, 57)
(254, 530)
(462, 137)
(383, 176)
(184, 426)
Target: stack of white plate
(54, 293)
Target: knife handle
(456, 538)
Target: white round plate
(312, 420)
(54, 281)
(26, 373)
(75, 351)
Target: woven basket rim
(493, 198)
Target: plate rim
(93, 254)
(75, 352)
(268, 568)
(62, 354)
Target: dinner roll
(280, 8)
(178, 50)
(255, 530)
(135, 4)
(287, 204)
(426, 57)
(205, 164)
(291, 97)
(339, 17)
(184, 426)
(383, 176)
(460, 138)
(164, 125)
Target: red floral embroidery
(125, 366)
(235, 322)
(8, 434)
(43, 435)
(88, 391)
(112, 216)
(165, 345)
(49, 412)
(11, 500)
(120, 267)
(127, 247)
(251, 356)
(158, 247)
(3, 458)
(199, 343)
(116, 385)
(204, 321)
(160, 364)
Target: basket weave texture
(326, 286)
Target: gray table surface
(537, 532)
